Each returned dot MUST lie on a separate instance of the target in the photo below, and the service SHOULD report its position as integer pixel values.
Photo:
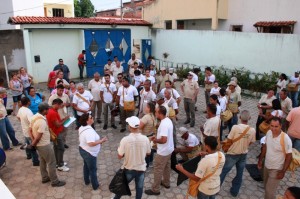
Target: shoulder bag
(194, 185)
(128, 105)
(53, 136)
(85, 100)
(228, 143)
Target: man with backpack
(278, 155)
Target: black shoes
(122, 130)
(114, 126)
(187, 121)
(98, 121)
(59, 184)
(105, 127)
(45, 181)
(165, 186)
(66, 146)
(150, 192)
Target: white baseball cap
(182, 130)
(133, 122)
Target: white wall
(52, 42)
(19, 8)
(248, 12)
(257, 52)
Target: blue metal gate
(146, 51)
(102, 45)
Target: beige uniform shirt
(40, 126)
(162, 79)
(189, 88)
(62, 112)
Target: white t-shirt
(218, 110)
(281, 84)
(191, 141)
(151, 78)
(207, 165)
(174, 93)
(87, 135)
(131, 62)
(153, 72)
(116, 70)
(195, 77)
(171, 103)
(134, 147)
(274, 156)
(215, 91)
(129, 94)
(211, 126)
(165, 129)
(277, 113)
(94, 86)
(138, 80)
(112, 79)
(174, 76)
(223, 103)
(25, 115)
(82, 104)
(211, 78)
(108, 93)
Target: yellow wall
(161, 10)
(68, 9)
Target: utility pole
(121, 9)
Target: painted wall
(68, 9)
(11, 8)
(52, 42)
(257, 52)
(247, 13)
(160, 11)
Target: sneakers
(59, 184)
(65, 164)
(150, 192)
(63, 168)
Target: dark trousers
(81, 69)
(59, 149)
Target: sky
(107, 4)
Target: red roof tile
(77, 20)
(274, 23)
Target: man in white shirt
(237, 153)
(116, 69)
(108, 93)
(94, 86)
(24, 115)
(209, 83)
(147, 95)
(172, 74)
(82, 101)
(190, 148)
(134, 148)
(165, 147)
(212, 163)
(108, 66)
(151, 78)
(212, 124)
(126, 94)
(112, 79)
(174, 92)
(278, 155)
(132, 60)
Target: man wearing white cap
(234, 102)
(172, 74)
(190, 147)
(237, 88)
(162, 78)
(134, 148)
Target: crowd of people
(147, 102)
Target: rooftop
(77, 20)
(274, 23)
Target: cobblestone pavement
(24, 180)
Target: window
(237, 28)
(168, 25)
(57, 12)
(180, 25)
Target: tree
(83, 8)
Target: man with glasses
(64, 68)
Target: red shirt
(53, 116)
(80, 57)
(52, 76)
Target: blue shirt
(34, 102)
(65, 70)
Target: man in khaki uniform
(162, 78)
(190, 90)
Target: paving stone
(24, 180)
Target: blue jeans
(296, 143)
(89, 168)
(31, 154)
(138, 177)
(294, 98)
(234, 120)
(240, 162)
(81, 69)
(204, 196)
(6, 128)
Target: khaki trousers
(270, 182)
(161, 169)
(97, 104)
(106, 113)
(47, 159)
